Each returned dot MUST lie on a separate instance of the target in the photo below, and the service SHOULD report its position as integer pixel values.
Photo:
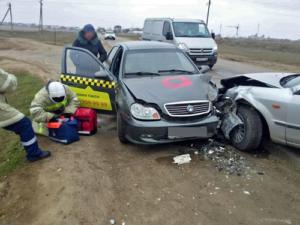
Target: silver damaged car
(268, 105)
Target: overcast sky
(277, 18)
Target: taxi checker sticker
(93, 99)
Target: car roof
(140, 45)
(178, 20)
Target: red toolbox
(87, 121)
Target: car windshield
(290, 81)
(157, 62)
(190, 29)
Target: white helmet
(57, 92)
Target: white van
(190, 35)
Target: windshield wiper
(143, 73)
(176, 71)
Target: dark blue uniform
(94, 46)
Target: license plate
(201, 59)
(187, 132)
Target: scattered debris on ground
(112, 221)
(182, 159)
(225, 158)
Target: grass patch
(281, 52)
(131, 37)
(11, 152)
(48, 37)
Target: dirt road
(98, 179)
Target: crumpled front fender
(229, 122)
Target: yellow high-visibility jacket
(8, 114)
(43, 108)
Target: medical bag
(64, 130)
(87, 121)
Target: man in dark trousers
(13, 120)
(88, 39)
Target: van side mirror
(169, 36)
(213, 35)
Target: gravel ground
(98, 179)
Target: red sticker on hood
(176, 82)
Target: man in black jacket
(88, 39)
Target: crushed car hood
(168, 89)
(267, 79)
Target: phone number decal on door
(93, 99)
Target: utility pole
(41, 16)
(258, 29)
(208, 11)
(237, 29)
(11, 17)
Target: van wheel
(248, 136)
(121, 129)
(211, 66)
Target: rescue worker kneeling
(13, 120)
(52, 101)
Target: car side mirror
(169, 36)
(213, 35)
(296, 90)
(204, 69)
(101, 74)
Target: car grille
(201, 51)
(188, 109)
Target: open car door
(89, 79)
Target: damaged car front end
(162, 96)
(266, 104)
(156, 114)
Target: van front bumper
(157, 132)
(204, 59)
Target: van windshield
(190, 29)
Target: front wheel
(248, 136)
(121, 129)
(211, 66)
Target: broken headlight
(212, 92)
(144, 112)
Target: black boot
(43, 155)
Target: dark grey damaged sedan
(160, 96)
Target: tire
(249, 136)
(121, 129)
(211, 66)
